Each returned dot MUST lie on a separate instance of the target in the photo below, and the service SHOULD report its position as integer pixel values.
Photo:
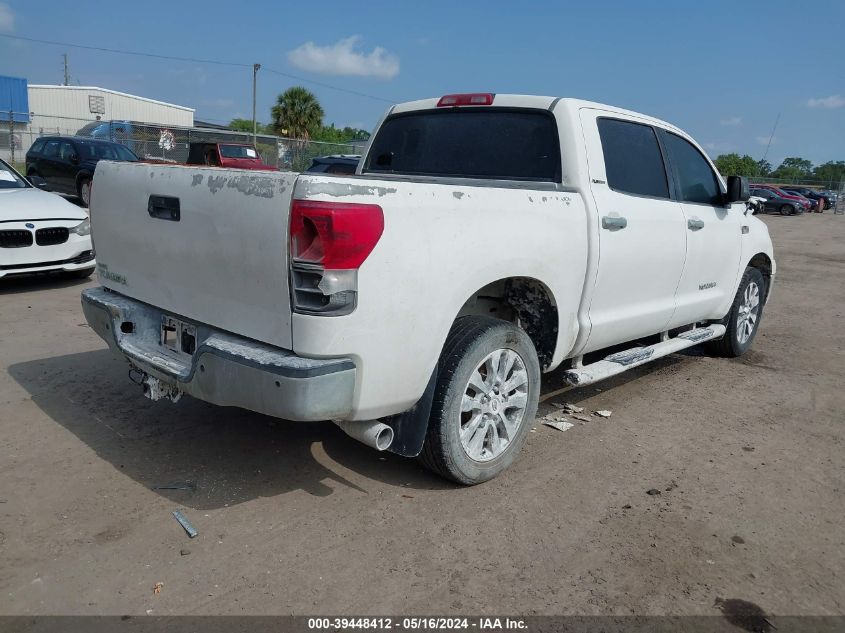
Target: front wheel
(488, 386)
(85, 191)
(743, 320)
(787, 209)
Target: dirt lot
(297, 518)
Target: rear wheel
(743, 320)
(787, 209)
(85, 191)
(488, 385)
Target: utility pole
(67, 74)
(777, 120)
(11, 132)
(255, 68)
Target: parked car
(778, 200)
(231, 155)
(832, 196)
(815, 196)
(67, 163)
(41, 231)
(417, 304)
(334, 164)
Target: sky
(722, 71)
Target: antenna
(771, 136)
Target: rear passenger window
(697, 181)
(51, 150)
(632, 158)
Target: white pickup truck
(483, 240)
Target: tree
(794, 168)
(245, 125)
(764, 167)
(297, 113)
(832, 172)
(332, 134)
(736, 165)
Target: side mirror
(38, 181)
(738, 190)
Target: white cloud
(7, 18)
(731, 121)
(833, 101)
(345, 58)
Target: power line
(195, 60)
(324, 85)
(123, 52)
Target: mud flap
(409, 427)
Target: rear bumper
(225, 369)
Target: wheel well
(762, 263)
(524, 301)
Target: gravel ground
(746, 454)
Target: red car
(232, 155)
(806, 205)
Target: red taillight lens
(475, 98)
(334, 235)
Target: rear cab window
(484, 143)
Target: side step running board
(630, 358)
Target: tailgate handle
(164, 208)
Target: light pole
(255, 68)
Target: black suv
(67, 163)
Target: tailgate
(221, 260)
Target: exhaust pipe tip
(373, 433)
(384, 438)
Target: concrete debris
(604, 413)
(583, 418)
(192, 532)
(568, 407)
(559, 425)
(184, 552)
(652, 492)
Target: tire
(737, 337)
(787, 209)
(476, 345)
(83, 273)
(83, 188)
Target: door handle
(695, 224)
(164, 208)
(613, 223)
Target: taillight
(475, 98)
(328, 243)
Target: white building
(65, 109)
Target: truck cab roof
(555, 104)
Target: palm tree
(296, 112)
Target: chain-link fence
(812, 183)
(161, 142)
